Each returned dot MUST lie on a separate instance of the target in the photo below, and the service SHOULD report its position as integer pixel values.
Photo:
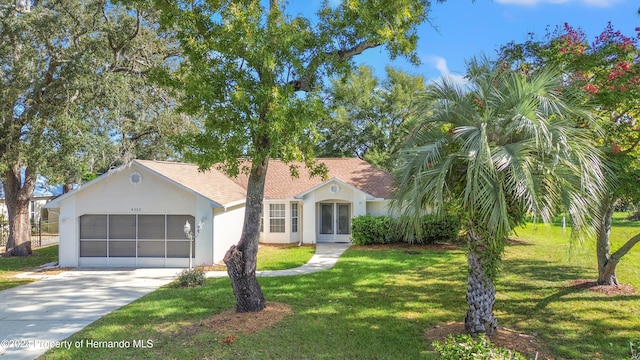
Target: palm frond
(508, 144)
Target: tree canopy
(70, 72)
(369, 118)
(608, 69)
(251, 76)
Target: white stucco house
(134, 216)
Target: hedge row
(366, 230)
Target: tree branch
(135, 32)
(616, 256)
(306, 81)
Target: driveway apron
(39, 315)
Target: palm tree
(503, 146)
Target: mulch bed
(527, 345)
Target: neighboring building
(42, 194)
(134, 216)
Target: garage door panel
(122, 248)
(122, 227)
(148, 248)
(93, 248)
(151, 227)
(93, 227)
(175, 226)
(178, 249)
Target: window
(276, 218)
(33, 212)
(344, 219)
(294, 217)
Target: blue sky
(466, 29)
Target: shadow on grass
(537, 297)
(372, 304)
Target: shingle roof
(211, 184)
(358, 173)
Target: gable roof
(225, 191)
(212, 184)
(186, 176)
(353, 171)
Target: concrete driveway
(39, 315)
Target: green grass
(376, 304)
(283, 257)
(535, 295)
(10, 266)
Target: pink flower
(591, 89)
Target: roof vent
(135, 178)
(334, 189)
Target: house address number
(136, 209)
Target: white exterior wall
(378, 208)
(287, 236)
(309, 219)
(68, 251)
(227, 229)
(115, 194)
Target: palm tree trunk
(481, 293)
(241, 258)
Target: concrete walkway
(324, 258)
(40, 315)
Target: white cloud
(594, 3)
(440, 64)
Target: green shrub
(367, 230)
(190, 278)
(464, 347)
(439, 228)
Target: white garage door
(134, 240)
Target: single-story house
(134, 216)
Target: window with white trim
(294, 217)
(277, 218)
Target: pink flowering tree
(608, 70)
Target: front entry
(334, 222)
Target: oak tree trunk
(17, 196)
(481, 292)
(241, 258)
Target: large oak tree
(70, 71)
(252, 71)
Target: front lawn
(281, 257)
(10, 266)
(377, 304)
